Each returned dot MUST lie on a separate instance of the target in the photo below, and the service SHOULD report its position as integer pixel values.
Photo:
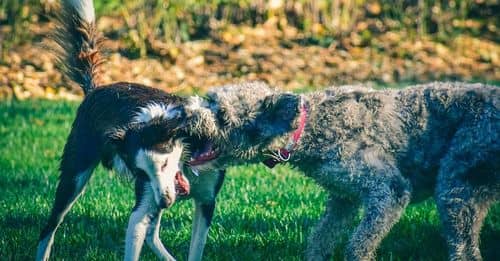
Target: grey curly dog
(369, 149)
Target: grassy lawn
(261, 215)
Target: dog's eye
(164, 165)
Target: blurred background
(187, 46)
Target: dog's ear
(163, 128)
(176, 115)
(177, 119)
(201, 117)
(277, 114)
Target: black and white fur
(125, 126)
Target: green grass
(261, 214)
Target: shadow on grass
(88, 236)
(76, 238)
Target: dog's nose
(165, 201)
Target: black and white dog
(129, 127)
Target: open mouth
(182, 187)
(203, 154)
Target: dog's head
(150, 148)
(238, 122)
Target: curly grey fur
(374, 150)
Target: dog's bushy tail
(78, 44)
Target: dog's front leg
(144, 221)
(153, 237)
(328, 232)
(204, 194)
(201, 223)
(384, 201)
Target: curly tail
(78, 50)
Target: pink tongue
(182, 186)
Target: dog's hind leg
(468, 183)
(384, 199)
(204, 193)
(335, 222)
(463, 208)
(68, 191)
(144, 224)
(462, 213)
(77, 165)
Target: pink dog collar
(284, 154)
